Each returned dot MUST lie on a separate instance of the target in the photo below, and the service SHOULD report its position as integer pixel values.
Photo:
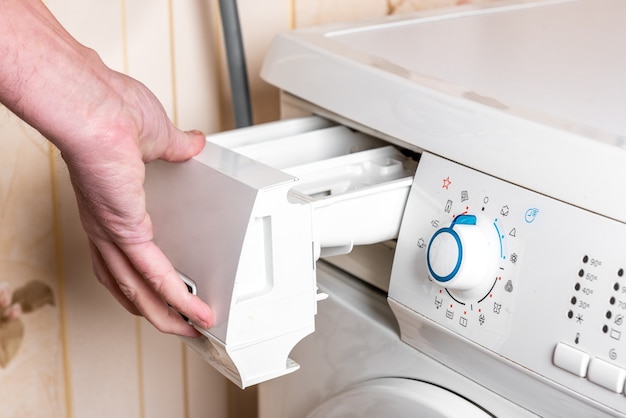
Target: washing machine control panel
(526, 278)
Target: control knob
(463, 257)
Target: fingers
(104, 276)
(155, 268)
(183, 145)
(150, 298)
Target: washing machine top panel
(499, 88)
(560, 61)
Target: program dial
(463, 257)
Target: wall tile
(97, 24)
(32, 371)
(207, 390)
(261, 21)
(162, 374)
(197, 71)
(101, 335)
(148, 47)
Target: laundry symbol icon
(531, 214)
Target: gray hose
(236, 59)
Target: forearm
(46, 77)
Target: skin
(107, 126)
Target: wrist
(47, 77)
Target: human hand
(129, 129)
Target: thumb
(184, 145)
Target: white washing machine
(467, 172)
(355, 365)
(516, 112)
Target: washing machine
(514, 110)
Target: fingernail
(207, 321)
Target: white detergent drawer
(245, 220)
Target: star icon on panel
(446, 183)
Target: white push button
(571, 359)
(607, 375)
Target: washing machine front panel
(357, 345)
(527, 287)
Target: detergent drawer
(245, 221)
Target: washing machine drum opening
(397, 398)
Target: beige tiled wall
(80, 354)
(32, 366)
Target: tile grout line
(60, 277)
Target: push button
(607, 375)
(571, 359)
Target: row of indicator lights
(578, 287)
(612, 300)
(609, 314)
(574, 299)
